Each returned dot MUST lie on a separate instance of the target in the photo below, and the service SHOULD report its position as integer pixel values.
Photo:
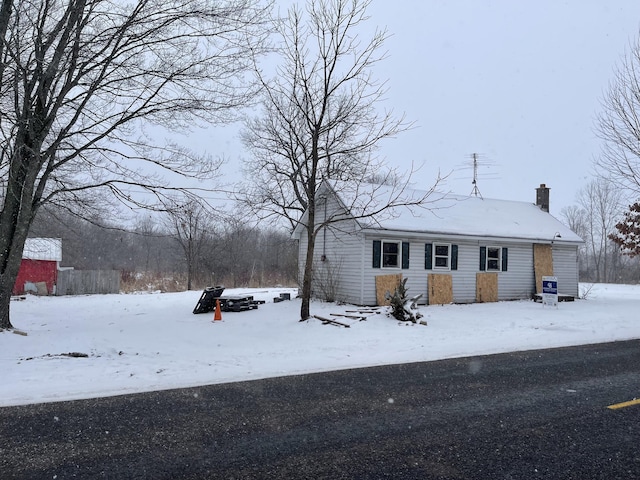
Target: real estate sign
(550, 291)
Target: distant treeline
(152, 255)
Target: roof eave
(458, 236)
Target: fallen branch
(355, 317)
(75, 355)
(52, 355)
(331, 321)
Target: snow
(453, 214)
(153, 341)
(49, 249)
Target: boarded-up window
(542, 263)
(486, 287)
(386, 286)
(440, 289)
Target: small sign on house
(550, 291)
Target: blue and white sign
(550, 291)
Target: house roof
(448, 214)
(43, 249)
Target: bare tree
(279, 257)
(240, 244)
(190, 223)
(619, 125)
(600, 202)
(575, 217)
(320, 119)
(147, 229)
(79, 79)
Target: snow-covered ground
(147, 342)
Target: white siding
(343, 263)
(515, 283)
(416, 274)
(464, 278)
(339, 274)
(370, 273)
(518, 282)
(357, 275)
(565, 267)
(337, 265)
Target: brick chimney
(542, 197)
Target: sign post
(550, 291)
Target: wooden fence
(84, 282)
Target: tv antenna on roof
(477, 161)
(476, 190)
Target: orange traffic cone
(218, 313)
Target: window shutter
(428, 256)
(454, 257)
(505, 255)
(405, 255)
(377, 252)
(483, 259)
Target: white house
(456, 249)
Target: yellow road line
(635, 401)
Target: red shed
(39, 267)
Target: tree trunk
(189, 273)
(14, 232)
(18, 210)
(5, 300)
(308, 265)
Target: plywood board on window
(486, 287)
(440, 288)
(542, 263)
(386, 284)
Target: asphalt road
(532, 415)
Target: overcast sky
(518, 82)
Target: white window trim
(486, 260)
(399, 257)
(433, 257)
